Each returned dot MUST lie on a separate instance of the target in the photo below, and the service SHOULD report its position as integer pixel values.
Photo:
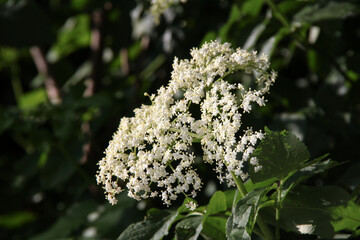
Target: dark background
(69, 70)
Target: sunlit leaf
(217, 204)
(346, 217)
(316, 167)
(189, 228)
(155, 226)
(73, 35)
(252, 7)
(32, 99)
(242, 220)
(308, 209)
(249, 185)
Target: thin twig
(124, 56)
(97, 47)
(277, 212)
(52, 90)
(266, 232)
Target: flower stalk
(265, 230)
(277, 212)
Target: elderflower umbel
(151, 153)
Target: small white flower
(253, 161)
(257, 168)
(191, 205)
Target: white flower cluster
(151, 151)
(191, 205)
(158, 7)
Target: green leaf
(208, 37)
(183, 209)
(155, 226)
(327, 9)
(346, 217)
(79, 4)
(249, 185)
(16, 219)
(32, 99)
(317, 197)
(232, 197)
(252, 7)
(189, 228)
(290, 7)
(242, 220)
(279, 154)
(215, 228)
(217, 204)
(316, 167)
(307, 210)
(73, 35)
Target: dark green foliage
(214, 228)
(279, 154)
(47, 173)
(316, 209)
(74, 217)
(24, 24)
(189, 228)
(325, 10)
(155, 226)
(322, 211)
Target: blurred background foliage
(70, 70)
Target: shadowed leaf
(279, 154)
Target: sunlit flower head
(152, 151)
